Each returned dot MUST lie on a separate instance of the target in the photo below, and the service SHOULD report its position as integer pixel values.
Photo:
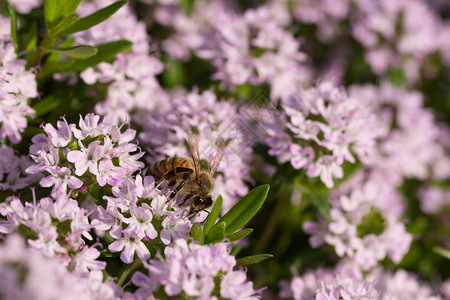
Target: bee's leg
(186, 198)
(170, 176)
(177, 189)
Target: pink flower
(128, 246)
(60, 179)
(85, 261)
(86, 158)
(62, 136)
(109, 174)
(139, 224)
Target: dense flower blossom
(37, 217)
(27, 274)
(70, 156)
(192, 269)
(407, 126)
(432, 199)
(392, 36)
(16, 86)
(325, 14)
(367, 164)
(12, 170)
(321, 128)
(165, 134)
(133, 84)
(364, 223)
(252, 47)
(347, 282)
(344, 282)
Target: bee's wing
(193, 150)
(220, 150)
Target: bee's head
(205, 183)
(199, 203)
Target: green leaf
(64, 24)
(32, 37)
(106, 53)
(253, 259)
(93, 19)
(239, 234)
(187, 6)
(321, 203)
(12, 15)
(57, 10)
(196, 232)
(50, 12)
(442, 251)
(80, 52)
(244, 210)
(215, 211)
(67, 7)
(216, 234)
(47, 104)
(235, 249)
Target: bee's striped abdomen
(159, 169)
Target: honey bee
(185, 172)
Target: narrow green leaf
(80, 52)
(187, 6)
(54, 57)
(253, 259)
(216, 234)
(442, 251)
(32, 37)
(215, 211)
(50, 11)
(245, 209)
(12, 15)
(236, 249)
(64, 24)
(239, 234)
(196, 232)
(31, 44)
(93, 19)
(321, 203)
(45, 105)
(68, 7)
(57, 10)
(106, 52)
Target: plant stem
(127, 270)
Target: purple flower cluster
(166, 132)
(16, 85)
(320, 129)
(407, 126)
(325, 14)
(38, 218)
(74, 158)
(193, 270)
(254, 48)
(347, 282)
(393, 38)
(364, 223)
(387, 29)
(27, 274)
(12, 170)
(133, 85)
